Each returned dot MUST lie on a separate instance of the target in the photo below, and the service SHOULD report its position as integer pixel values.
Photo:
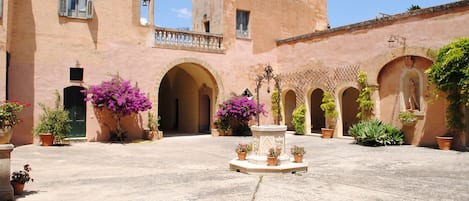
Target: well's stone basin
(264, 138)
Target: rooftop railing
(188, 40)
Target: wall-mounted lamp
(146, 2)
(76, 73)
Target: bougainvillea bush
(120, 97)
(238, 110)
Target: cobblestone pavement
(196, 168)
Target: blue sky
(177, 13)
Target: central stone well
(264, 138)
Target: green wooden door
(74, 103)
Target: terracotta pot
(444, 143)
(327, 132)
(160, 135)
(150, 135)
(242, 156)
(298, 158)
(272, 161)
(47, 139)
(17, 187)
(221, 133)
(5, 135)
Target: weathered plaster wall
(207, 10)
(285, 19)
(3, 49)
(44, 46)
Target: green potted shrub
(365, 103)
(329, 107)
(223, 125)
(298, 153)
(53, 124)
(298, 119)
(407, 118)
(450, 74)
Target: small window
(242, 24)
(207, 26)
(76, 8)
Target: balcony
(188, 40)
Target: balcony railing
(188, 40)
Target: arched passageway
(290, 105)
(318, 120)
(349, 109)
(186, 100)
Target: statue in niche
(413, 103)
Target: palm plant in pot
(53, 124)
(450, 74)
(329, 107)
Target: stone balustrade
(188, 40)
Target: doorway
(74, 103)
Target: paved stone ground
(196, 168)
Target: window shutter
(1, 8)
(63, 11)
(89, 8)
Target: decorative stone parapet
(264, 138)
(188, 40)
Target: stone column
(6, 191)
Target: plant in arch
(365, 103)
(450, 74)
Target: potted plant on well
(9, 118)
(407, 118)
(272, 156)
(19, 178)
(53, 124)
(242, 151)
(329, 107)
(298, 119)
(298, 153)
(450, 74)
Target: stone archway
(186, 99)
(403, 87)
(289, 106)
(318, 120)
(349, 109)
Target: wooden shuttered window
(76, 8)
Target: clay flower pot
(444, 143)
(17, 187)
(47, 139)
(272, 161)
(327, 132)
(242, 156)
(298, 158)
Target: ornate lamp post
(269, 75)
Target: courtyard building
(69, 45)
